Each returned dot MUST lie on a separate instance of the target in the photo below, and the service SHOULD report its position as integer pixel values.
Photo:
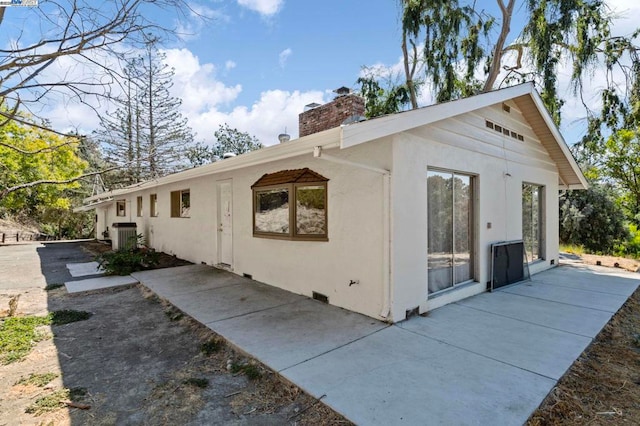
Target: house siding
(354, 251)
(390, 269)
(500, 164)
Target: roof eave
(293, 148)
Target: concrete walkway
(490, 359)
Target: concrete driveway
(490, 359)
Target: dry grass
(603, 385)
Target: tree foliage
(379, 100)
(228, 141)
(144, 135)
(461, 57)
(592, 218)
(35, 157)
(621, 164)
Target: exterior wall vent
(506, 108)
(320, 297)
(498, 128)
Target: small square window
(488, 124)
(497, 128)
(181, 203)
(121, 208)
(153, 205)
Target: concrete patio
(490, 359)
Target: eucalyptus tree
(455, 45)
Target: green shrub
(128, 260)
(631, 246)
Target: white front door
(225, 223)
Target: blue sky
(255, 63)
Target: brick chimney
(317, 118)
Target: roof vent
(228, 155)
(283, 137)
(312, 105)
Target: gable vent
(498, 128)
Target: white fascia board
(560, 141)
(357, 133)
(293, 148)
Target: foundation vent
(320, 297)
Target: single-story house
(386, 217)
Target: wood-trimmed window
(121, 208)
(153, 205)
(181, 203)
(291, 205)
(139, 205)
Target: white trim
(327, 139)
(559, 140)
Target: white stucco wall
(357, 249)
(500, 165)
(355, 225)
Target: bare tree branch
(498, 52)
(7, 191)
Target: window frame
(122, 203)
(153, 205)
(541, 223)
(139, 206)
(471, 231)
(177, 209)
(293, 234)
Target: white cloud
(196, 83)
(205, 101)
(284, 56)
(229, 65)
(275, 111)
(263, 7)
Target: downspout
(386, 195)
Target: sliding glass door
(532, 223)
(450, 229)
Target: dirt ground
(139, 360)
(631, 265)
(603, 385)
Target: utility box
(125, 236)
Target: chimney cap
(341, 91)
(312, 105)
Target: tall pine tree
(145, 132)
